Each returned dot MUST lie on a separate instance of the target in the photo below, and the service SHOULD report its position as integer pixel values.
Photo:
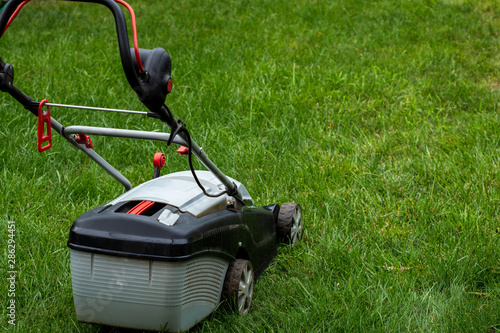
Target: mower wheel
(289, 224)
(238, 285)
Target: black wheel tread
(285, 221)
(232, 282)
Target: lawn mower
(164, 254)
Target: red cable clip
(85, 139)
(44, 120)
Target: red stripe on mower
(141, 207)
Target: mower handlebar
(121, 29)
(128, 61)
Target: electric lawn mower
(164, 254)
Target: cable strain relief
(234, 191)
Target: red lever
(18, 9)
(44, 120)
(183, 150)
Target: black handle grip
(158, 66)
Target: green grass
(379, 117)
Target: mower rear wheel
(289, 224)
(238, 285)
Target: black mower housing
(245, 234)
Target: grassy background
(379, 117)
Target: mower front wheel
(289, 224)
(238, 285)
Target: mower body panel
(163, 275)
(181, 191)
(145, 294)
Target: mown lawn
(379, 117)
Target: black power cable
(182, 128)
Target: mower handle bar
(128, 65)
(121, 29)
(134, 81)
